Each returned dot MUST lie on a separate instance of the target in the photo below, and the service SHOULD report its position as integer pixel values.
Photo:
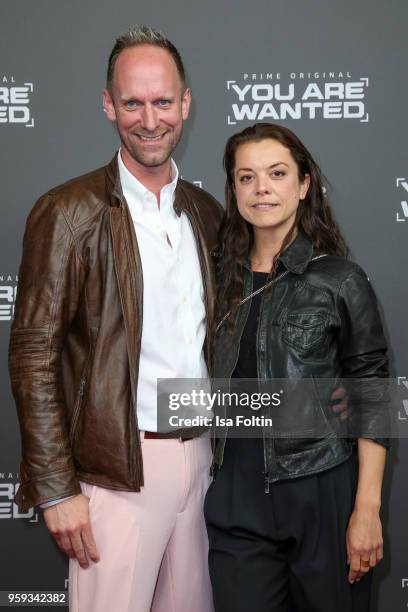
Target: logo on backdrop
(15, 101)
(402, 186)
(197, 183)
(274, 96)
(402, 382)
(8, 509)
(404, 585)
(8, 291)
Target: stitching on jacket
(305, 283)
(72, 231)
(69, 242)
(26, 483)
(357, 274)
(89, 218)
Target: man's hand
(339, 399)
(68, 522)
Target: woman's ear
(304, 186)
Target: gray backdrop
(333, 72)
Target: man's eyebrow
(126, 98)
(164, 97)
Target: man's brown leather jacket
(75, 340)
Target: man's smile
(156, 138)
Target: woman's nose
(261, 186)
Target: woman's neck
(266, 247)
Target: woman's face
(267, 185)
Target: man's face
(148, 104)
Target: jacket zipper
(263, 429)
(267, 482)
(81, 387)
(133, 424)
(78, 405)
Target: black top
(246, 365)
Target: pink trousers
(153, 544)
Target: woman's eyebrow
(271, 166)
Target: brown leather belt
(182, 435)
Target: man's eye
(131, 104)
(164, 102)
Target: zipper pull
(266, 484)
(82, 386)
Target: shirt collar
(130, 184)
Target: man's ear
(185, 103)
(108, 105)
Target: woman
(293, 522)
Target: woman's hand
(364, 541)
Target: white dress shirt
(174, 325)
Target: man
(116, 290)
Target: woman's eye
(278, 173)
(244, 178)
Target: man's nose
(149, 117)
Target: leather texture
(75, 339)
(319, 321)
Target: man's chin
(152, 160)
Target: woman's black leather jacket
(318, 321)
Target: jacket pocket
(304, 331)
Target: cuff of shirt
(54, 502)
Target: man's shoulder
(201, 197)
(79, 198)
(87, 182)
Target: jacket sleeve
(51, 277)
(364, 360)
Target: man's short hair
(142, 35)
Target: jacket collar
(114, 186)
(181, 202)
(297, 256)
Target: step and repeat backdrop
(335, 73)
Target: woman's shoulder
(336, 269)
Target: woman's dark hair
(314, 216)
